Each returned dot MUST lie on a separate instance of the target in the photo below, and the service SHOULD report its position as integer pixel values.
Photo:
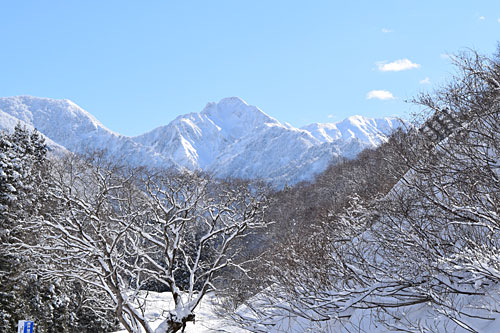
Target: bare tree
(194, 222)
(118, 231)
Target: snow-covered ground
(359, 321)
(206, 320)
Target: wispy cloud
(396, 66)
(482, 18)
(498, 20)
(379, 94)
(386, 31)
(425, 81)
(331, 116)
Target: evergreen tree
(22, 158)
(24, 187)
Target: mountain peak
(232, 101)
(235, 116)
(227, 102)
(36, 110)
(357, 120)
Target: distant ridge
(229, 138)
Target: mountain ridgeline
(229, 139)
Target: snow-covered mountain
(229, 138)
(69, 126)
(367, 130)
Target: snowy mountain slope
(367, 130)
(68, 125)
(228, 138)
(196, 140)
(8, 123)
(232, 138)
(276, 152)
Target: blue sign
(25, 326)
(28, 327)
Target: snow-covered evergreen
(55, 306)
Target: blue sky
(137, 65)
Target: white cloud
(396, 66)
(386, 31)
(482, 18)
(498, 20)
(425, 81)
(379, 94)
(331, 116)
